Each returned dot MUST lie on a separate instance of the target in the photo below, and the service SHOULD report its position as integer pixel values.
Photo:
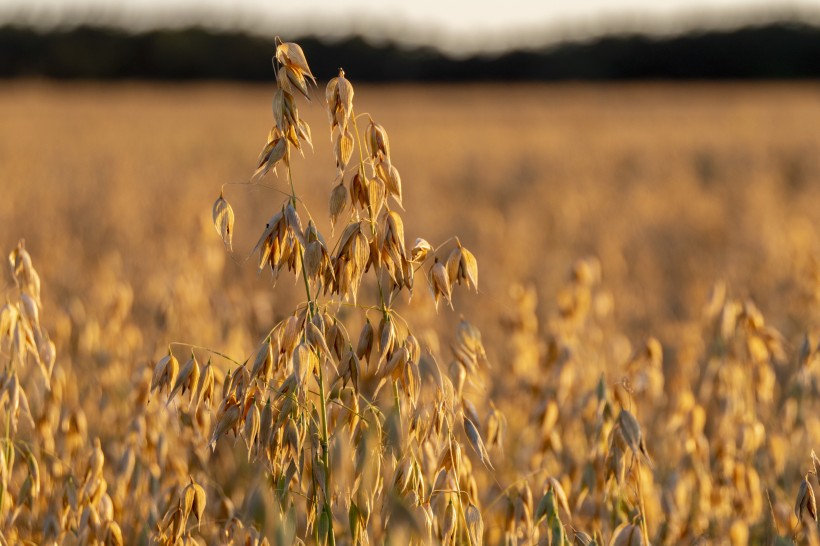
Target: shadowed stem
(7, 453)
(643, 506)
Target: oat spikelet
(343, 149)
(377, 143)
(805, 501)
(192, 501)
(421, 248)
(389, 174)
(290, 78)
(476, 442)
(364, 348)
(165, 373)
(440, 284)
(223, 221)
(187, 379)
(339, 96)
(475, 525)
(338, 202)
(631, 431)
(462, 266)
(25, 276)
(252, 427)
(291, 55)
(204, 388)
(229, 420)
(560, 495)
(274, 151)
(448, 525)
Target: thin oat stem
(325, 460)
(771, 512)
(365, 308)
(505, 490)
(351, 410)
(201, 348)
(256, 185)
(435, 251)
(8, 448)
(373, 408)
(397, 400)
(291, 491)
(440, 246)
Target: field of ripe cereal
(638, 363)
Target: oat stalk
(327, 508)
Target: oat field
(619, 347)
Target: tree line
(772, 51)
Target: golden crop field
(638, 363)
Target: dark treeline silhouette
(774, 51)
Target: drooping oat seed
(291, 54)
(475, 525)
(377, 142)
(223, 221)
(165, 373)
(343, 149)
(805, 501)
(391, 178)
(228, 421)
(440, 284)
(338, 202)
(187, 379)
(631, 431)
(476, 442)
(364, 348)
(252, 428)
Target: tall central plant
(361, 434)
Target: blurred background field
(672, 187)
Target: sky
(450, 25)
